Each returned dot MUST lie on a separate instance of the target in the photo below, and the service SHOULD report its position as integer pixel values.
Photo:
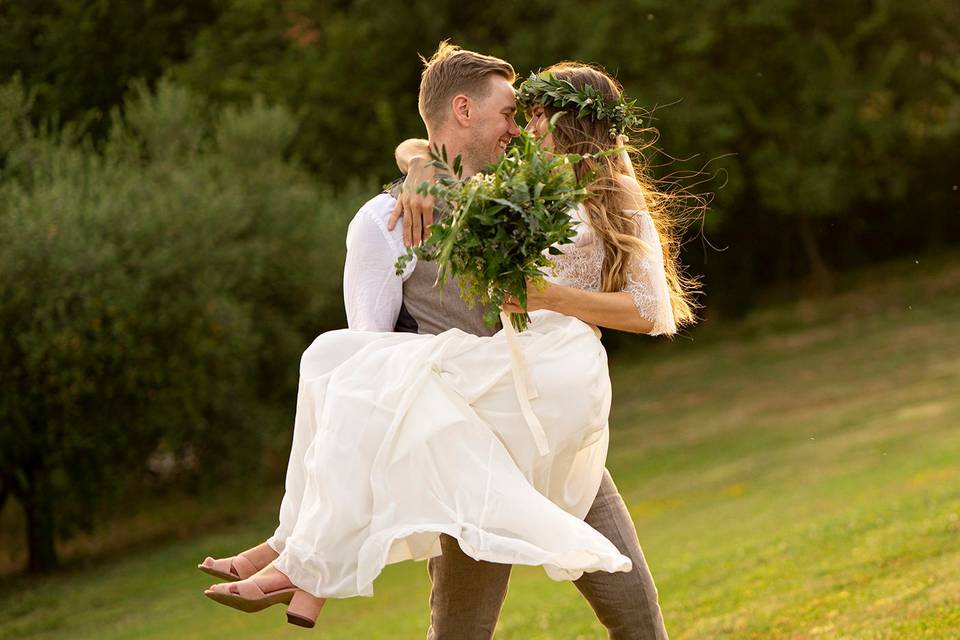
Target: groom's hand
(415, 209)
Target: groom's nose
(514, 130)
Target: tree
(80, 56)
(154, 297)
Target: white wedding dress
(499, 441)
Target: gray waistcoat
(425, 310)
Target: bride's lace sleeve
(647, 280)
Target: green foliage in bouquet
(501, 224)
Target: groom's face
(495, 123)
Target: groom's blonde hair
(452, 71)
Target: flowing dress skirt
(401, 437)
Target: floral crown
(623, 115)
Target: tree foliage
(155, 297)
(821, 128)
(80, 56)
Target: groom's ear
(462, 106)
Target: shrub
(155, 296)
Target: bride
(498, 441)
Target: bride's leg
(304, 430)
(386, 476)
(325, 354)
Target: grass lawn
(795, 474)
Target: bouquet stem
(520, 321)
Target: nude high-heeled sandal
(238, 567)
(304, 609)
(233, 568)
(246, 595)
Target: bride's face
(539, 125)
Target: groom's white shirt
(372, 291)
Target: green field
(795, 474)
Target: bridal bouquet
(501, 224)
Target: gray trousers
(467, 594)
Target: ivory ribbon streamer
(525, 393)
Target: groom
(467, 103)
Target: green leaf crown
(622, 114)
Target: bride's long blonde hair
(671, 209)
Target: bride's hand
(538, 297)
(415, 209)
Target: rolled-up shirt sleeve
(372, 291)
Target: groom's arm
(372, 291)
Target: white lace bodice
(581, 265)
